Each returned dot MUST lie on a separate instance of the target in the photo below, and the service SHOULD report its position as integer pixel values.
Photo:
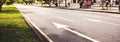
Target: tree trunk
(65, 3)
(2, 4)
(49, 3)
(0, 7)
(119, 5)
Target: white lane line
(41, 12)
(111, 23)
(80, 14)
(65, 19)
(114, 15)
(117, 16)
(90, 15)
(58, 25)
(34, 25)
(95, 20)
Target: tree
(40, 0)
(47, 2)
(103, 2)
(8, 2)
(55, 3)
(1, 4)
(19, 1)
(119, 5)
(65, 3)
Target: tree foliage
(1, 3)
(5, 1)
(40, 0)
(19, 1)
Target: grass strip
(13, 27)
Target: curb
(37, 31)
(101, 11)
(41, 35)
(82, 9)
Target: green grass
(13, 27)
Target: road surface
(62, 25)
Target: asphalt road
(62, 25)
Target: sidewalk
(94, 8)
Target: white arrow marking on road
(65, 19)
(58, 25)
